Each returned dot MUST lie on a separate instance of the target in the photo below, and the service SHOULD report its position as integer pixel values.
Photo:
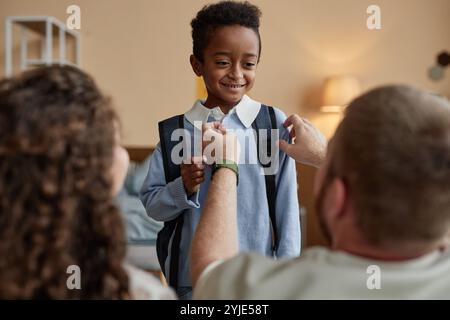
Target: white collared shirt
(246, 110)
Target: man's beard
(321, 212)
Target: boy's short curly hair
(224, 13)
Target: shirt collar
(246, 110)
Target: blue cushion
(136, 175)
(140, 228)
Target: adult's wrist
(226, 164)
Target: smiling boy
(226, 53)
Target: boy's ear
(196, 65)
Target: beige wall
(138, 51)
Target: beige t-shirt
(144, 286)
(323, 274)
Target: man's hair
(57, 136)
(225, 13)
(393, 151)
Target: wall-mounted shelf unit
(48, 28)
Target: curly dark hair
(57, 134)
(224, 13)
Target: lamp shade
(338, 92)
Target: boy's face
(229, 65)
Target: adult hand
(219, 144)
(309, 144)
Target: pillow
(140, 228)
(136, 175)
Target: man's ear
(196, 65)
(337, 198)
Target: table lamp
(338, 92)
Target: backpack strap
(266, 119)
(166, 127)
(173, 227)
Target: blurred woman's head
(60, 164)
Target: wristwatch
(226, 164)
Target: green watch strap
(226, 164)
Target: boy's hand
(192, 175)
(309, 144)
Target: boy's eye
(250, 65)
(222, 63)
